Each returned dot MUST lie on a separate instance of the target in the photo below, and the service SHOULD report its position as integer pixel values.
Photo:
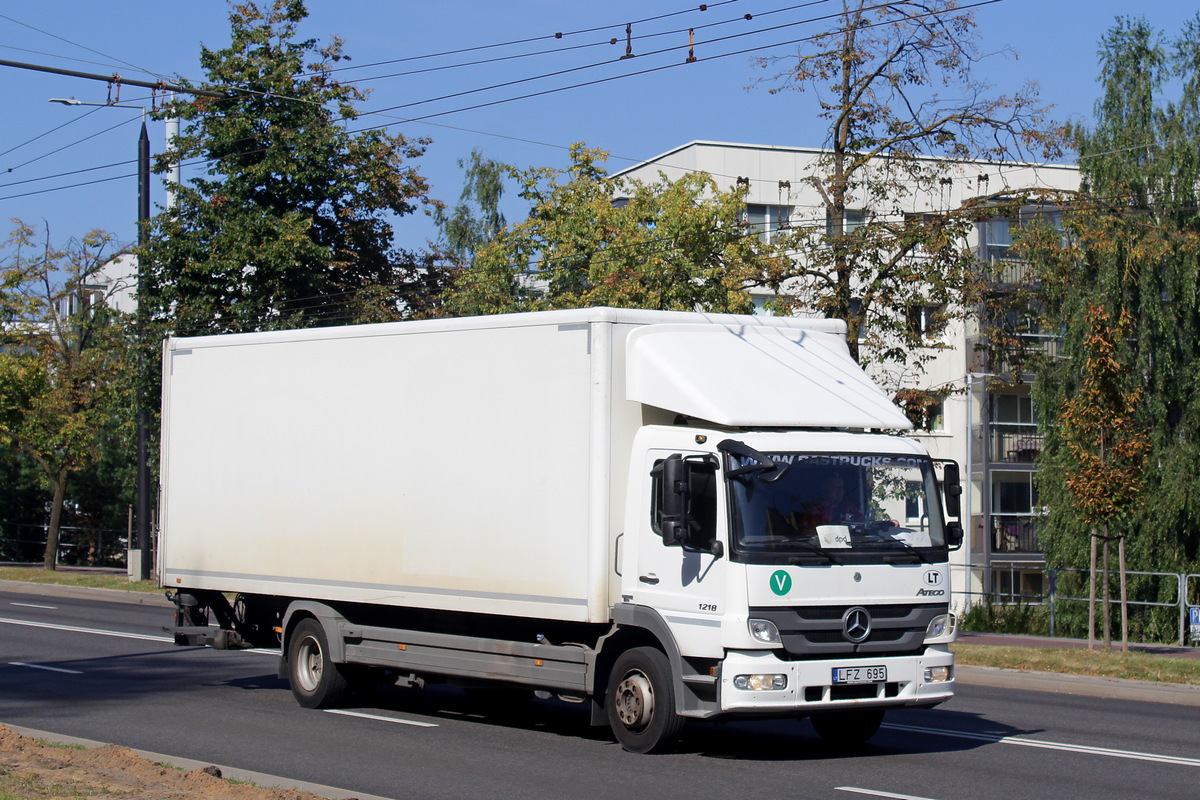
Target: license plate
(860, 674)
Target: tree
(291, 224)
(594, 239)
(1105, 445)
(1132, 251)
(64, 361)
(465, 231)
(878, 76)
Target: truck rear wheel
(848, 728)
(641, 701)
(317, 682)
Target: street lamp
(143, 467)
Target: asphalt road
(78, 665)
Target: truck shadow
(902, 733)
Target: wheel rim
(308, 664)
(635, 701)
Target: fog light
(937, 674)
(764, 631)
(760, 683)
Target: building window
(914, 503)
(768, 221)
(935, 416)
(1015, 409)
(922, 320)
(852, 221)
(1013, 493)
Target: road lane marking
(48, 669)
(96, 631)
(34, 605)
(875, 793)
(397, 720)
(1064, 746)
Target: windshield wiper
(815, 549)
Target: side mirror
(954, 535)
(674, 499)
(952, 488)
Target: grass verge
(62, 577)
(1108, 664)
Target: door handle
(650, 579)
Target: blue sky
(634, 117)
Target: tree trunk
(50, 561)
(1124, 596)
(1107, 598)
(1092, 596)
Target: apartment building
(988, 426)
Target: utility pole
(143, 467)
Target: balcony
(1002, 268)
(1015, 534)
(1014, 443)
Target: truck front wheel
(317, 682)
(641, 701)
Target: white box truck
(667, 515)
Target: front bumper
(810, 686)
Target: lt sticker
(781, 582)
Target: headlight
(764, 631)
(760, 683)
(942, 628)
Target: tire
(316, 681)
(640, 702)
(848, 728)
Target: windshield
(832, 505)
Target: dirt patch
(34, 770)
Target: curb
(231, 773)
(1085, 685)
(115, 595)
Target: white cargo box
(466, 464)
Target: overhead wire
(606, 43)
(81, 46)
(559, 35)
(610, 62)
(14, 148)
(68, 146)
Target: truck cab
(800, 572)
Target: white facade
(994, 437)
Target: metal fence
(1016, 583)
(100, 547)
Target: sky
(70, 169)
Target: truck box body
(421, 483)
(461, 464)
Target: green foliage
(464, 230)
(291, 224)
(65, 375)
(878, 73)
(1133, 249)
(992, 617)
(666, 245)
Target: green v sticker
(781, 582)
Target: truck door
(681, 566)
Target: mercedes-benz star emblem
(856, 624)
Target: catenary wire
(560, 35)
(556, 51)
